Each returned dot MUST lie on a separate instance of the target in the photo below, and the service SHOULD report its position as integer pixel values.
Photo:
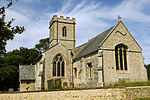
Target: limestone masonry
(129, 93)
(105, 59)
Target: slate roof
(26, 72)
(92, 45)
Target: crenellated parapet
(62, 19)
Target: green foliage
(6, 30)
(23, 56)
(60, 84)
(43, 45)
(148, 98)
(148, 70)
(9, 66)
(122, 82)
(56, 86)
(10, 3)
(53, 84)
(9, 78)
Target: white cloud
(30, 1)
(91, 18)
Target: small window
(64, 31)
(75, 72)
(89, 69)
(121, 57)
(28, 82)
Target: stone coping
(73, 89)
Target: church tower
(62, 30)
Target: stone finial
(119, 18)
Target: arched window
(121, 57)
(64, 31)
(58, 66)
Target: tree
(9, 66)
(43, 45)
(9, 78)
(7, 32)
(23, 56)
(148, 71)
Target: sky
(92, 18)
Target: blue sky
(92, 18)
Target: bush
(56, 84)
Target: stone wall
(86, 76)
(27, 85)
(135, 64)
(87, 94)
(39, 73)
(96, 94)
(49, 57)
(137, 92)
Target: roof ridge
(93, 44)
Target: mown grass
(142, 98)
(129, 84)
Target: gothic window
(121, 57)
(58, 66)
(64, 31)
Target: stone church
(110, 56)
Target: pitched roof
(77, 49)
(92, 45)
(26, 72)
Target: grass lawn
(142, 98)
(129, 84)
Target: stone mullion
(123, 59)
(118, 59)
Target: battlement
(62, 19)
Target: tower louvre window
(64, 31)
(121, 57)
